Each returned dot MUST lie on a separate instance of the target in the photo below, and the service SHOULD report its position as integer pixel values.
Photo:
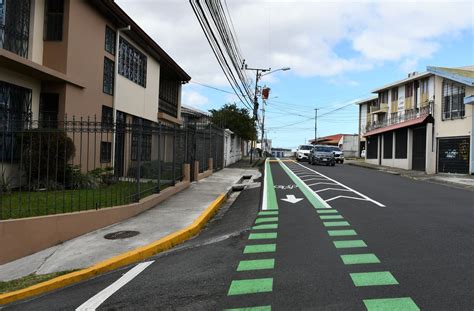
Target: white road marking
(102, 296)
(347, 197)
(315, 178)
(322, 183)
(304, 175)
(338, 189)
(265, 196)
(292, 199)
(340, 184)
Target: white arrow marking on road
(292, 199)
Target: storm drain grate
(121, 235)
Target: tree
(236, 119)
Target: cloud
(314, 38)
(194, 99)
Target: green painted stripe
(342, 232)
(265, 226)
(391, 304)
(349, 244)
(266, 213)
(261, 308)
(336, 224)
(260, 248)
(266, 219)
(259, 264)
(259, 236)
(272, 202)
(327, 211)
(373, 278)
(242, 287)
(311, 196)
(327, 217)
(358, 259)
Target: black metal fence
(81, 164)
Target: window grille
(108, 86)
(15, 26)
(132, 63)
(453, 100)
(110, 40)
(54, 19)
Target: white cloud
(314, 38)
(194, 99)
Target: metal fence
(81, 164)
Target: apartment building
(423, 122)
(87, 60)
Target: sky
(339, 51)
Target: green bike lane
(302, 255)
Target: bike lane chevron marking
(312, 197)
(269, 200)
(261, 308)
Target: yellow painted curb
(118, 261)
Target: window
(409, 90)
(169, 93)
(401, 138)
(132, 63)
(109, 40)
(108, 86)
(387, 145)
(453, 100)
(424, 85)
(395, 94)
(53, 20)
(15, 26)
(105, 152)
(143, 127)
(383, 97)
(107, 118)
(372, 147)
(48, 110)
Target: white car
(338, 154)
(302, 153)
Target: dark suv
(322, 155)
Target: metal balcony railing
(396, 117)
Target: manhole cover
(121, 235)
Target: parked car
(303, 151)
(338, 154)
(322, 155)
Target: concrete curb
(121, 260)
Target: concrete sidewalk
(170, 216)
(460, 180)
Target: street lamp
(260, 72)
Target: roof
(366, 100)
(113, 11)
(331, 138)
(193, 111)
(403, 81)
(463, 75)
(418, 120)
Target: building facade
(423, 122)
(87, 61)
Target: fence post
(174, 156)
(158, 188)
(139, 157)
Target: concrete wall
(232, 148)
(22, 237)
(135, 99)
(350, 145)
(35, 47)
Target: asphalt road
(413, 243)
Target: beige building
(58, 60)
(423, 122)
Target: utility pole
(316, 126)
(263, 127)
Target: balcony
(379, 109)
(396, 118)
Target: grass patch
(29, 280)
(39, 203)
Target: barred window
(169, 93)
(105, 152)
(107, 118)
(110, 40)
(453, 100)
(15, 26)
(108, 87)
(132, 63)
(53, 20)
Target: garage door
(453, 155)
